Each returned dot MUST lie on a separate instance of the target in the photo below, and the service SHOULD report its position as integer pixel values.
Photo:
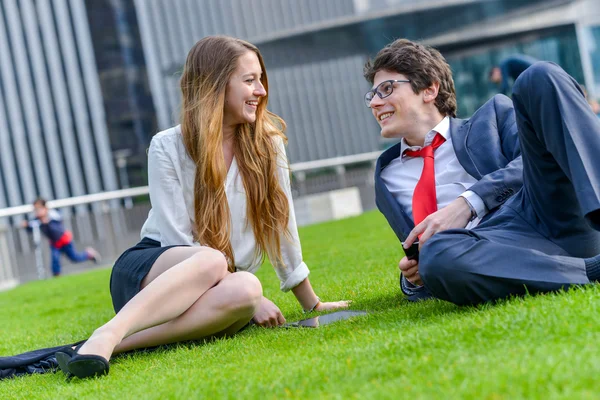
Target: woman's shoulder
(279, 143)
(169, 143)
(169, 136)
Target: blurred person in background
(504, 203)
(509, 70)
(221, 201)
(61, 240)
(591, 101)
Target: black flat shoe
(88, 365)
(81, 365)
(63, 356)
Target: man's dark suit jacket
(486, 145)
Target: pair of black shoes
(81, 365)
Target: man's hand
(410, 270)
(454, 215)
(24, 223)
(268, 314)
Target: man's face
(397, 114)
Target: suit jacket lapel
(459, 132)
(387, 204)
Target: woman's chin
(250, 118)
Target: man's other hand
(410, 270)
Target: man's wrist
(472, 210)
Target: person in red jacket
(61, 240)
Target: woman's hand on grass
(332, 305)
(268, 314)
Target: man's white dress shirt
(451, 180)
(171, 175)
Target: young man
(504, 203)
(61, 240)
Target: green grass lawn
(537, 347)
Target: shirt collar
(443, 128)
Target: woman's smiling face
(244, 91)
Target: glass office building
(471, 67)
(84, 82)
(315, 50)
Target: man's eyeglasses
(383, 90)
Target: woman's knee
(244, 292)
(210, 264)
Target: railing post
(371, 177)
(8, 276)
(121, 159)
(39, 259)
(301, 177)
(340, 171)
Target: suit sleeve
(498, 186)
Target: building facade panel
(54, 137)
(29, 109)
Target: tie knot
(428, 150)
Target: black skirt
(131, 268)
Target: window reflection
(471, 69)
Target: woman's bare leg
(222, 310)
(167, 296)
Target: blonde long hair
(209, 66)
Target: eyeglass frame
(376, 92)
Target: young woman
(221, 200)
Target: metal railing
(299, 170)
(77, 201)
(116, 221)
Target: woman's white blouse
(171, 175)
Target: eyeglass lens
(383, 90)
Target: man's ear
(430, 93)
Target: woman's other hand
(268, 314)
(332, 305)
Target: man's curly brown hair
(422, 65)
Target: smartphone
(326, 319)
(412, 253)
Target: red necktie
(424, 200)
